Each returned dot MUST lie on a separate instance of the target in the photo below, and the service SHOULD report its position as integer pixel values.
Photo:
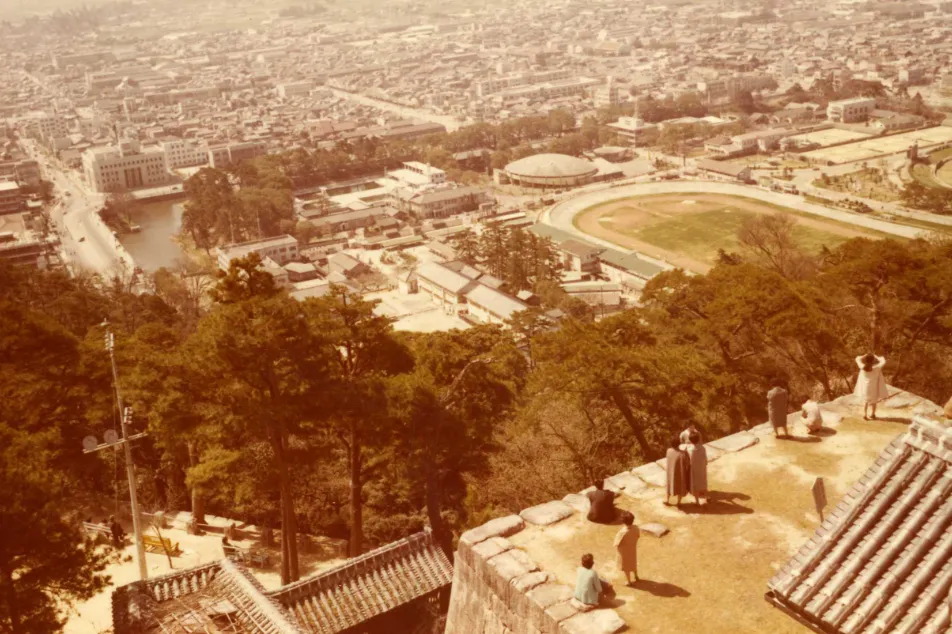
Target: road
(82, 246)
(450, 123)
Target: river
(154, 246)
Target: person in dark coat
(602, 507)
(678, 468)
(118, 535)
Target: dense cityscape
(380, 317)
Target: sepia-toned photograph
(498, 317)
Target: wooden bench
(97, 531)
(258, 558)
(154, 544)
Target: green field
(689, 229)
(700, 235)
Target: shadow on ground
(660, 588)
(719, 503)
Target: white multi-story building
(111, 169)
(184, 152)
(850, 110)
(45, 126)
(280, 249)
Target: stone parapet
(498, 589)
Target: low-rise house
(300, 271)
(578, 256)
(720, 168)
(447, 287)
(888, 121)
(439, 203)
(346, 265)
(281, 249)
(491, 306)
(602, 294)
(627, 269)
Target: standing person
(677, 463)
(777, 410)
(626, 543)
(589, 588)
(685, 437)
(870, 384)
(697, 455)
(602, 504)
(117, 533)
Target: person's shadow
(660, 588)
(719, 503)
(806, 439)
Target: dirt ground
(710, 573)
(622, 221)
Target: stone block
(541, 598)
(578, 502)
(763, 429)
(581, 607)
(502, 569)
(529, 581)
(491, 547)
(901, 400)
(735, 442)
(653, 528)
(629, 483)
(518, 602)
(594, 622)
(548, 513)
(712, 453)
(524, 559)
(499, 527)
(652, 474)
(558, 613)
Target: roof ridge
(357, 566)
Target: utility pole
(90, 445)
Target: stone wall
(498, 589)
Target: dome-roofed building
(547, 171)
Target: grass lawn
(700, 235)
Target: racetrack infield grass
(700, 228)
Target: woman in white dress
(870, 384)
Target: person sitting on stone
(590, 589)
(602, 504)
(812, 416)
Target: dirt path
(635, 209)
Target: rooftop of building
(224, 596)
(711, 570)
(551, 166)
(244, 248)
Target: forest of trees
(318, 416)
